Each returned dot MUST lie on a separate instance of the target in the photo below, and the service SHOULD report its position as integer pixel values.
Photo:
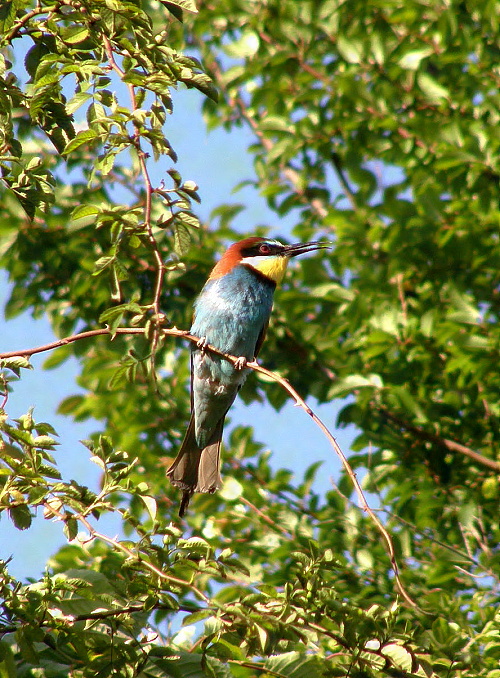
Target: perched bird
(232, 314)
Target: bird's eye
(264, 249)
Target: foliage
(376, 125)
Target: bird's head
(269, 257)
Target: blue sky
(199, 153)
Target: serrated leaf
(188, 218)
(20, 516)
(83, 137)
(398, 655)
(182, 239)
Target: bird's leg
(240, 363)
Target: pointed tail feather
(196, 469)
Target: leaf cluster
(374, 125)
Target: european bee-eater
(232, 314)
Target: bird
(231, 314)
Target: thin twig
(142, 156)
(343, 181)
(284, 384)
(115, 543)
(445, 442)
(173, 331)
(263, 516)
(31, 15)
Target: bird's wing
(260, 339)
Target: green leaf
(7, 664)
(273, 123)
(21, 516)
(70, 528)
(295, 665)
(150, 503)
(353, 382)
(182, 239)
(412, 59)
(350, 48)
(16, 362)
(75, 34)
(187, 5)
(83, 137)
(399, 656)
(245, 46)
(433, 90)
(44, 442)
(489, 488)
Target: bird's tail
(196, 469)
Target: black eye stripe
(258, 251)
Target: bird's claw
(240, 363)
(202, 344)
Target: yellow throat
(273, 268)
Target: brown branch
(115, 543)
(352, 475)
(106, 614)
(71, 339)
(30, 15)
(290, 390)
(264, 517)
(142, 156)
(450, 445)
(337, 165)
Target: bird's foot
(202, 344)
(240, 363)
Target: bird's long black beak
(303, 247)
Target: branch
(450, 445)
(142, 156)
(271, 375)
(343, 181)
(71, 339)
(106, 614)
(26, 18)
(113, 541)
